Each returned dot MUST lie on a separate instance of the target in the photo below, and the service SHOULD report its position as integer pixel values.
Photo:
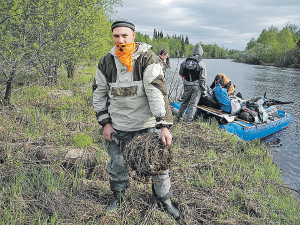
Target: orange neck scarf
(124, 53)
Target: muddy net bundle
(146, 155)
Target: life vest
(226, 81)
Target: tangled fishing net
(146, 155)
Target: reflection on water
(273, 142)
(253, 81)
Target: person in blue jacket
(222, 97)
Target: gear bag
(253, 112)
(192, 70)
(235, 105)
(248, 115)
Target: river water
(253, 81)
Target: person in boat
(164, 60)
(193, 72)
(221, 95)
(130, 101)
(225, 82)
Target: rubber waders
(119, 198)
(167, 204)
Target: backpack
(192, 70)
(272, 111)
(248, 115)
(253, 112)
(235, 106)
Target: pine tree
(161, 35)
(187, 40)
(155, 33)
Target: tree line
(39, 37)
(273, 47)
(180, 46)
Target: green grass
(53, 168)
(83, 140)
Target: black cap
(163, 51)
(122, 22)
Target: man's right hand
(107, 130)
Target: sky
(228, 23)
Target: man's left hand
(166, 136)
(204, 94)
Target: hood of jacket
(198, 51)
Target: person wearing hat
(164, 59)
(129, 98)
(225, 83)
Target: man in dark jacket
(193, 71)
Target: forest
(180, 46)
(273, 47)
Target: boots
(167, 204)
(179, 119)
(118, 189)
(119, 197)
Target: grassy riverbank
(53, 168)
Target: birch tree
(38, 36)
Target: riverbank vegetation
(273, 47)
(180, 46)
(37, 38)
(53, 167)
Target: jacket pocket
(124, 91)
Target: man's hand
(166, 136)
(107, 130)
(204, 94)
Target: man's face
(123, 35)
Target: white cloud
(228, 23)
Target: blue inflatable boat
(243, 129)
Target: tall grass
(53, 168)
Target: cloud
(228, 23)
